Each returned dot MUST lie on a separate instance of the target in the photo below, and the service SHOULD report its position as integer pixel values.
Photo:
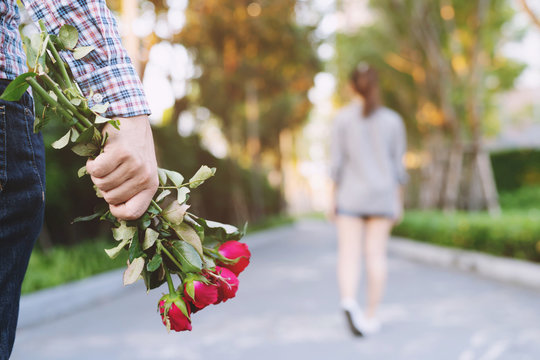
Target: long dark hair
(365, 82)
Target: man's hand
(126, 171)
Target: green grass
(64, 264)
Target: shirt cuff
(120, 86)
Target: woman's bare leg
(376, 239)
(350, 231)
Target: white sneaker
(370, 326)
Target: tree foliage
(441, 67)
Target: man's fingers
(103, 165)
(123, 193)
(134, 208)
(121, 175)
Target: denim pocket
(3, 145)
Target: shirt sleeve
(399, 153)
(106, 75)
(337, 153)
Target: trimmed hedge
(514, 234)
(516, 168)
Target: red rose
(227, 284)
(235, 250)
(204, 294)
(177, 319)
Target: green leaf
(85, 150)
(90, 135)
(135, 248)
(229, 229)
(16, 88)
(201, 175)
(154, 279)
(154, 264)
(113, 253)
(150, 237)
(175, 177)
(186, 233)
(190, 289)
(82, 51)
(189, 258)
(209, 263)
(163, 195)
(133, 271)
(68, 36)
(115, 123)
(31, 53)
(62, 142)
(182, 194)
(82, 171)
(162, 174)
(174, 213)
(182, 306)
(144, 221)
(123, 231)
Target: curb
(513, 271)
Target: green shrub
(527, 197)
(514, 234)
(514, 169)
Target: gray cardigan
(366, 161)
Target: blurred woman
(368, 144)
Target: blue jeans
(22, 201)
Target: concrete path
(287, 308)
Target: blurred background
(251, 88)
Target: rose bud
(203, 294)
(227, 284)
(234, 250)
(175, 318)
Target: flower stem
(48, 98)
(59, 63)
(169, 255)
(156, 206)
(169, 281)
(63, 100)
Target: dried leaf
(123, 231)
(182, 194)
(133, 271)
(174, 213)
(62, 142)
(82, 51)
(150, 237)
(189, 235)
(201, 175)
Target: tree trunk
(487, 181)
(253, 147)
(453, 177)
(432, 175)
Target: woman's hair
(365, 83)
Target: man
(126, 172)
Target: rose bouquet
(166, 240)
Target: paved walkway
(286, 308)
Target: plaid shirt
(104, 75)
